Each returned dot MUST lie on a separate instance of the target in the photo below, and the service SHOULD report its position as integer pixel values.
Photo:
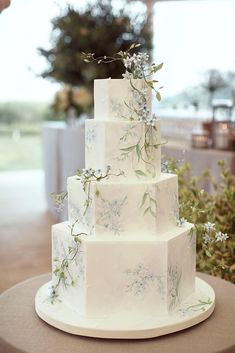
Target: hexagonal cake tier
(117, 276)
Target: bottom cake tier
(119, 277)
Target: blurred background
(46, 93)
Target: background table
(200, 159)
(63, 154)
(22, 331)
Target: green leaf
(158, 67)
(138, 152)
(147, 210)
(208, 253)
(144, 199)
(56, 271)
(77, 240)
(158, 96)
(97, 193)
(157, 145)
(139, 172)
(62, 274)
(127, 149)
(153, 201)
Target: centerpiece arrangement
(118, 270)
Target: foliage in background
(200, 207)
(98, 28)
(23, 112)
(72, 99)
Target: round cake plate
(195, 309)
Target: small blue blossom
(181, 222)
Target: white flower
(181, 222)
(127, 75)
(136, 64)
(209, 226)
(219, 236)
(98, 173)
(207, 239)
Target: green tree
(100, 29)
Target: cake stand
(198, 307)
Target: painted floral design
(140, 150)
(174, 279)
(141, 279)
(198, 305)
(110, 214)
(117, 109)
(129, 132)
(175, 208)
(90, 138)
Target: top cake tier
(121, 99)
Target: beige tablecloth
(22, 331)
(200, 159)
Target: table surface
(21, 330)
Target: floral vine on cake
(87, 176)
(137, 67)
(142, 149)
(62, 267)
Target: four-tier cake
(124, 255)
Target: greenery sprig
(87, 176)
(136, 65)
(143, 149)
(59, 199)
(62, 270)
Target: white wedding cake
(123, 266)
(124, 253)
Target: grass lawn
(19, 153)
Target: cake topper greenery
(137, 66)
